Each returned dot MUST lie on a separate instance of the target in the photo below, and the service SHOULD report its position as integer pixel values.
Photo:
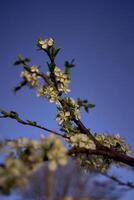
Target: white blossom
(31, 76)
(73, 106)
(45, 44)
(62, 79)
(81, 140)
(63, 116)
(50, 92)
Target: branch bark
(107, 153)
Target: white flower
(34, 68)
(114, 141)
(62, 79)
(50, 42)
(73, 106)
(63, 116)
(31, 77)
(83, 141)
(45, 44)
(50, 92)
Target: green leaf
(27, 60)
(39, 39)
(85, 104)
(68, 65)
(21, 84)
(92, 105)
(67, 71)
(20, 57)
(21, 60)
(56, 51)
(17, 62)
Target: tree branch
(87, 132)
(106, 152)
(15, 116)
(119, 182)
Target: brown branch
(106, 152)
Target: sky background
(99, 34)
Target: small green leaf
(92, 105)
(17, 62)
(27, 60)
(20, 57)
(21, 84)
(39, 39)
(56, 51)
(68, 65)
(85, 104)
(21, 60)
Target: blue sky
(98, 34)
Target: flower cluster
(69, 111)
(24, 156)
(114, 141)
(22, 143)
(47, 43)
(89, 162)
(12, 174)
(50, 147)
(62, 80)
(31, 76)
(99, 162)
(50, 92)
(81, 140)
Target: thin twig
(120, 182)
(16, 117)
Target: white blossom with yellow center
(63, 116)
(31, 77)
(45, 44)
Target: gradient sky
(99, 34)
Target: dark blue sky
(99, 34)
